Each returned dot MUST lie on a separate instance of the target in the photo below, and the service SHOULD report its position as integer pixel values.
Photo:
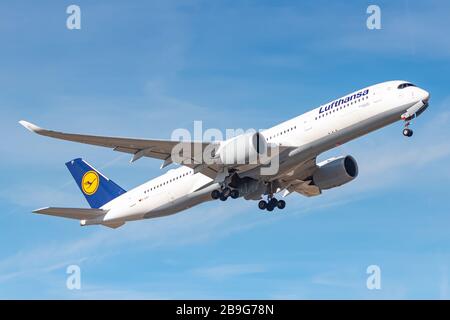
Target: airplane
(295, 143)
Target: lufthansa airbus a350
(297, 142)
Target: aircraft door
(307, 124)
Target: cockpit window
(404, 85)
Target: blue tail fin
(97, 188)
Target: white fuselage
(312, 133)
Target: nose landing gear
(407, 132)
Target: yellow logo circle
(90, 182)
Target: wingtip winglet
(39, 210)
(30, 126)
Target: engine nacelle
(335, 172)
(243, 149)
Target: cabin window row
(281, 133)
(168, 181)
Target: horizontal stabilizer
(72, 213)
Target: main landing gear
(271, 204)
(224, 194)
(407, 132)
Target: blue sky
(148, 67)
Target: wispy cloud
(222, 272)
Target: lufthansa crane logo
(90, 182)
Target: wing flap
(72, 213)
(299, 179)
(305, 188)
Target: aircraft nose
(423, 94)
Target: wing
(191, 155)
(159, 149)
(72, 213)
(300, 179)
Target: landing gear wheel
(407, 132)
(273, 202)
(226, 192)
(223, 197)
(281, 204)
(234, 194)
(215, 194)
(262, 205)
(270, 207)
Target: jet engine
(335, 172)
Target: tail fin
(97, 188)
